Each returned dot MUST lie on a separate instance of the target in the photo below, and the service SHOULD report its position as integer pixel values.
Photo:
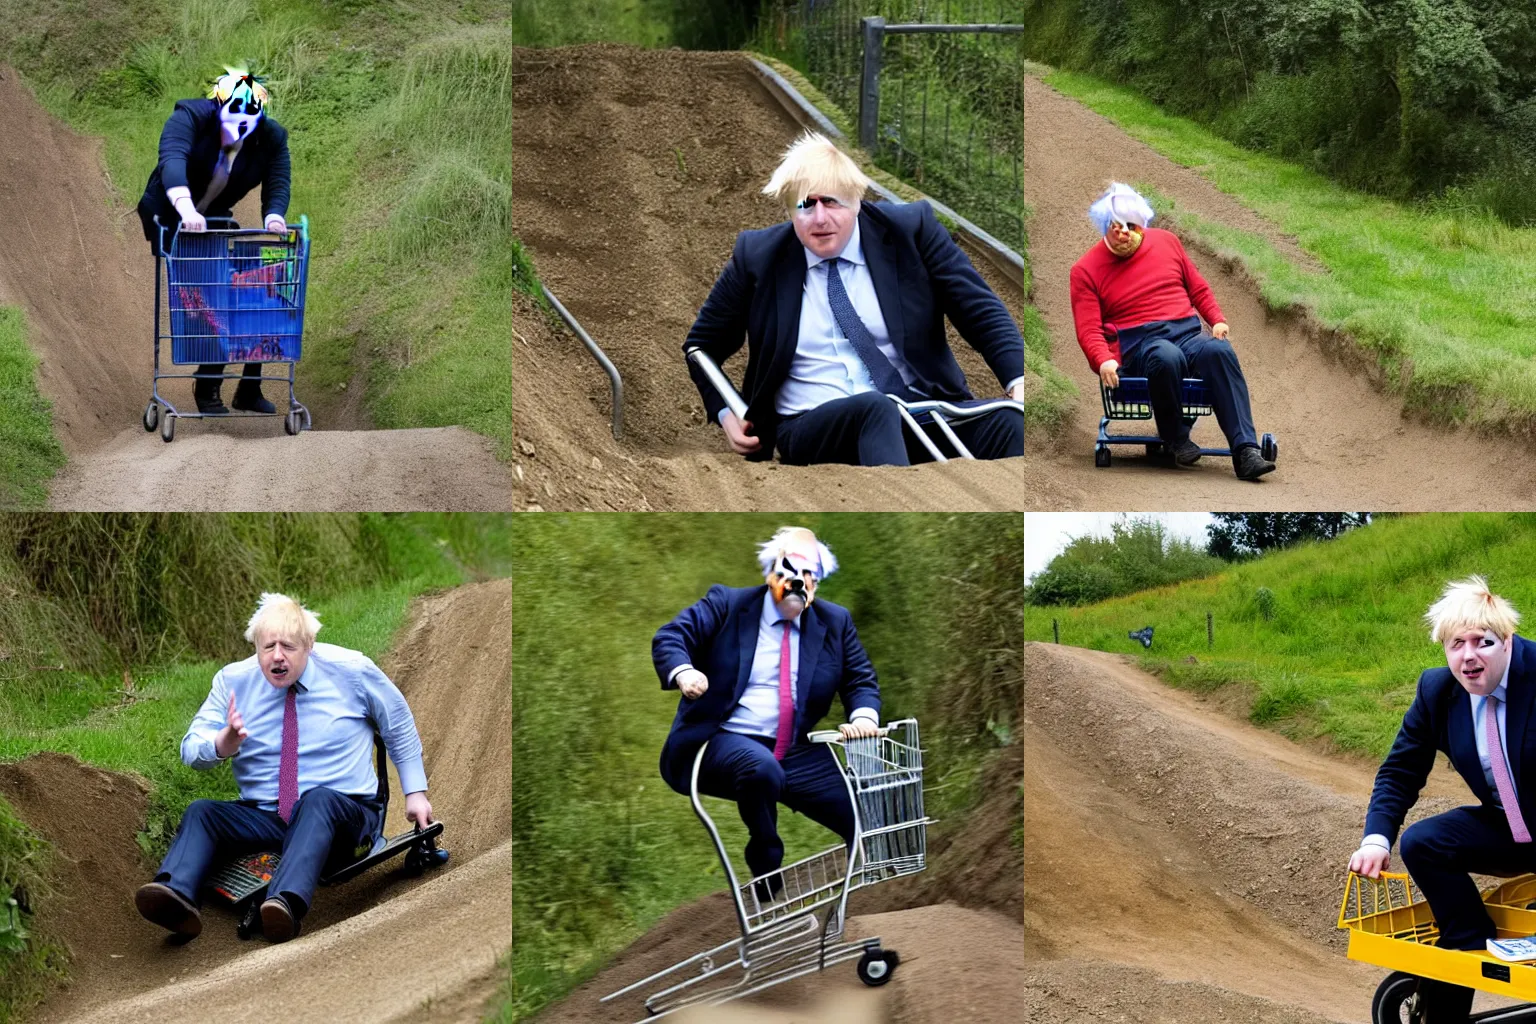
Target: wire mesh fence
(951, 103)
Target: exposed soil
(77, 263)
(380, 948)
(633, 171)
(1182, 865)
(1343, 441)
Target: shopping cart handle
(833, 735)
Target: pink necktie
(1501, 773)
(288, 766)
(786, 702)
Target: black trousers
(866, 430)
(1165, 352)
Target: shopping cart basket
(229, 295)
(1132, 401)
(799, 930)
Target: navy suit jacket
(1440, 719)
(718, 636)
(920, 276)
(189, 145)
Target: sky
(1047, 533)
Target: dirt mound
(436, 936)
(633, 172)
(1340, 436)
(1170, 843)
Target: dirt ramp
(80, 268)
(1337, 431)
(253, 464)
(1098, 991)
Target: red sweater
(1156, 282)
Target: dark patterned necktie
(886, 379)
(288, 764)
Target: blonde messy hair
(281, 615)
(1469, 604)
(785, 537)
(813, 165)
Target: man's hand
(1109, 373)
(1370, 861)
(232, 735)
(855, 730)
(692, 682)
(418, 808)
(1221, 330)
(1017, 394)
(740, 435)
(191, 220)
(276, 224)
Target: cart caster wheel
(151, 417)
(1268, 448)
(168, 429)
(1154, 450)
(291, 422)
(415, 863)
(1397, 1000)
(877, 965)
(1101, 457)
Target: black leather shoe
(164, 906)
(766, 889)
(211, 404)
(1186, 453)
(277, 921)
(1249, 464)
(250, 399)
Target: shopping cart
(799, 930)
(1390, 925)
(229, 295)
(1132, 401)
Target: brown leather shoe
(164, 906)
(277, 921)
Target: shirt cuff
(1014, 383)
(672, 676)
(720, 416)
(868, 714)
(178, 192)
(413, 776)
(1378, 840)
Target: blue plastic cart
(1132, 401)
(229, 295)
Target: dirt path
(1342, 440)
(633, 171)
(77, 263)
(383, 947)
(1191, 867)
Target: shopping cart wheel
(291, 422)
(1101, 456)
(151, 416)
(877, 965)
(1268, 448)
(1397, 1000)
(167, 429)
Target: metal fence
(951, 103)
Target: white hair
(772, 549)
(281, 614)
(1469, 604)
(1120, 203)
(812, 164)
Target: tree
(1138, 555)
(1239, 535)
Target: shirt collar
(771, 616)
(853, 252)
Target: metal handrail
(614, 380)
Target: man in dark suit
(758, 668)
(1476, 711)
(212, 153)
(842, 305)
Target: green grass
(1444, 300)
(603, 847)
(569, 22)
(29, 451)
(1345, 643)
(398, 117)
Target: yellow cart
(1390, 926)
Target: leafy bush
(1138, 555)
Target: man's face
(1477, 658)
(793, 580)
(282, 658)
(825, 225)
(1123, 239)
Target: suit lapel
(1462, 741)
(812, 631)
(746, 638)
(790, 284)
(882, 271)
(1517, 713)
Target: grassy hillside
(29, 452)
(1343, 643)
(603, 847)
(133, 614)
(398, 115)
(1440, 296)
